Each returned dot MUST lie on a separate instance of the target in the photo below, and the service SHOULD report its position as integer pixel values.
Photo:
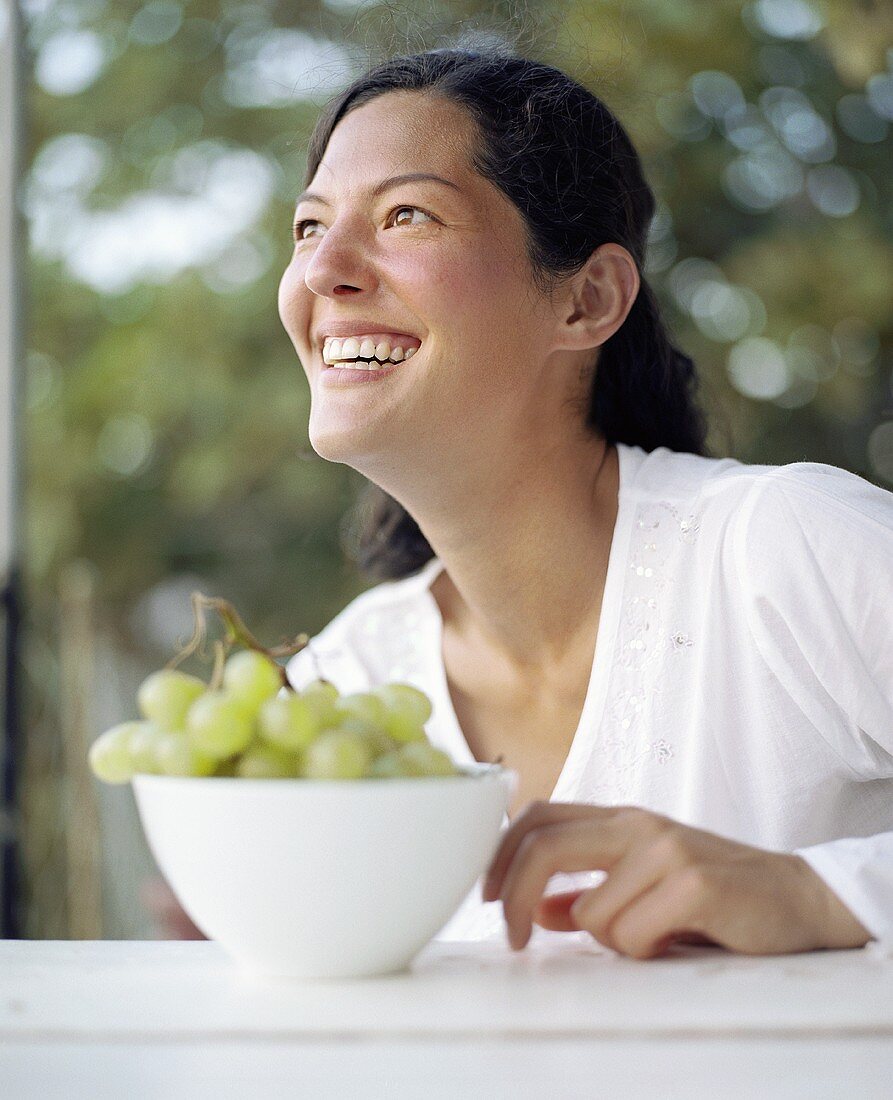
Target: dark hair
(556, 151)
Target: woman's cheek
(291, 306)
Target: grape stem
(220, 651)
(237, 633)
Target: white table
(171, 1019)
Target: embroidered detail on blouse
(408, 639)
(688, 529)
(643, 638)
(661, 750)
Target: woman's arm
(666, 883)
(814, 554)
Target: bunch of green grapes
(254, 726)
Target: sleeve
(352, 651)
(814, 554)
(860, 871)
(304, 667)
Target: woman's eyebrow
(382, 186)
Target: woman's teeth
(346, 353)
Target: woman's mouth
(368, 352)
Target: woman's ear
(602, 294)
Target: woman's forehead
(403, 125)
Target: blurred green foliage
(166, 411)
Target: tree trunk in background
(11, 329)
(76, 722)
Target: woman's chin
(340, 444)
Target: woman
(688, 660)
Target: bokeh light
(880, 450)
(859, 120)
(763, 178)
(757, 368)
(206, 196)
(793, 19)
(278, 67)
(70, 61)
(879, 90)
(833, 190)
(155, 23)
(124, 444)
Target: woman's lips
(343, 372)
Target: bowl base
(260, 974)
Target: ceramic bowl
(324, 879)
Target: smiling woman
(689, 655)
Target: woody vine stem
(237, 633)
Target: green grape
(251, 677)
(401, 728)
(406, 700)
(421, 758)
(177, 756)
(363, 704)
(324, 699)
(337, 754)
(144, 743)
(219, 724)
(389, 765)
(166, 696)
(406, 711)
(110, 756)
(289, 721)
(375, 737)
(379, 742)
(324, 687)
(267, 762)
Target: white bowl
(324, 879)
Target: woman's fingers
(553, 911)
(533, 816)
(595, 907)
(581, 845)
(670, 910)
(637, 871)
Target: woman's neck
(524, 572)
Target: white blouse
(743, 672)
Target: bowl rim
(473, 771)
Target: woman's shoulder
(717, 485)
(810, 517)
(368, 625)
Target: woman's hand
(666, 883)
(172, 920)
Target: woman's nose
(340, 258)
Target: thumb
(553, 911)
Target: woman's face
(444, 264)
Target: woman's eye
(299, 229)
(309, 227)
(411, 210)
